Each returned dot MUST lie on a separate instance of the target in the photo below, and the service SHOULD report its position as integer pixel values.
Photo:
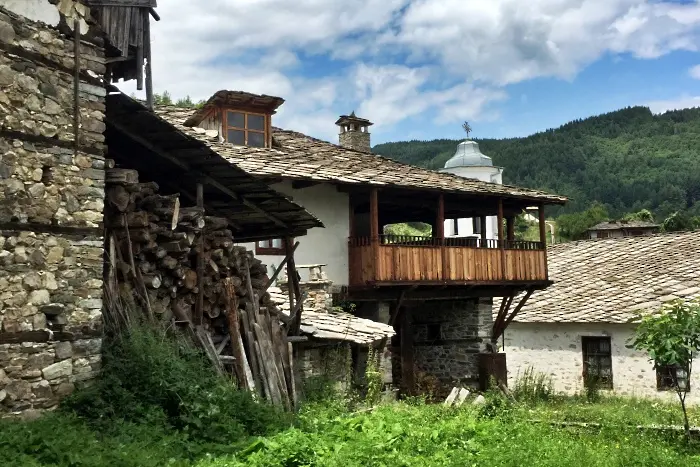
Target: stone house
(579, 325)
(61, 127)
(622, 228)
(437, 292)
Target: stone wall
(555, 349)
(51, 203)
(357, 140)
(448, 336)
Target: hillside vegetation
(627, 160)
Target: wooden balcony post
(374, 229)
(501, 239)
(510, 227)
(482, 223)
(543, 237)
(441, 235)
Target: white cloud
(394, 59)
(682, 102)
(695, 72)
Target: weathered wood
(200, 259)
(118, 197)
(280, 267)
(235, 333)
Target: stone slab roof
(605, 281)
(324, 324)
(624, 225)
(301, 157)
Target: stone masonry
(449, 335)
(51, 203)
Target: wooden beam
(543, 236)
(506, 302)
(149, 59)
(440, 231)
(374, 228)
(202, 176)
(501, 238)
(279, 268)
(199, 319)
(408, 376)
(510, 228)
(295, 309)
(482, 222)
(517, 309)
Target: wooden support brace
(280, 267)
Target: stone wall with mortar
(51, 203)
(555, 349)
(448, 336)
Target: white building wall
(35, 10)
(555, 349)
(327, 245)
(465, 226)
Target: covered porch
(377, 259)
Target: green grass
(158, 403)
(391, 435)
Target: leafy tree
(574, 226)
(678, 222)
(671, 337)
(644, 215)
(162, 99)
(628, 160)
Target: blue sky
(419, 68)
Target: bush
(149, 376)
(533, 387)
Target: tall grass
(532, 386)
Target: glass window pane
(236, 119)
(236, 137)
(256, 139)
(277, 243)
(256, 122)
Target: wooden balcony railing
(398, 258)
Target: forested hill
(628, 160)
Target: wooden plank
(280, 267)
(441, 235)
(235, 333)
(543, 236)
(200, 262)
(374, 228)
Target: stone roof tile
(609, 280)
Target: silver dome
(468, 155)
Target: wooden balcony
(394, 260)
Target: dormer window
(241, 118)
(246, 128)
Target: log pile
(157, 244)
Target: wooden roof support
(202, 176)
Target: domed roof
(468, 155)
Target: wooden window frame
(662, 380)
(270, 250)
(265, 131)
(602, 384)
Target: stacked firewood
(157, 250)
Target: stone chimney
(354, 132)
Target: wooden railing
(398, 258)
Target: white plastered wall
(555, 349)
(327, 245)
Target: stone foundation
(447, 338)
(331, 361)
(51, 209)
(36, 375)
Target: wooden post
(510, 228)
(543, 237)
(374, 229)
(501, 239)
(440, 233)
(149, 58)
(482, 222)
(407, 365)
(296, 301)
(199, 318)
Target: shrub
(149, 376)
(533, 387)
